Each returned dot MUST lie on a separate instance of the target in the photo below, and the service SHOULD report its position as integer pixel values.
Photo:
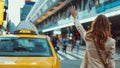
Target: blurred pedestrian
(1, 32)
(54, 41)
(77, 45)
(100, 46)
(65, 43)
(73, 44)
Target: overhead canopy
(43, 9)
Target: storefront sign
(104, 7)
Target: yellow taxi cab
(26, 50)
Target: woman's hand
(73, 12)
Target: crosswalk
(77, 56)
(70, 55)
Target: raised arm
(80, 29)
(78, 25)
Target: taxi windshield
(14, 46)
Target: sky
(14, 10)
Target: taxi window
(13, 46)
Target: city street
(39, 33)
(73, 59)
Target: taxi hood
(26, 62)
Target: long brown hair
(100, 31)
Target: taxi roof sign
(25, 28)
(24, 32)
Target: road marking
(80, 56)
(67, 56)
(79, 53)
(61, 58)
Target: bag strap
(100, 56)
(86, 60)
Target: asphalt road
(70, 63)
(76, 63)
